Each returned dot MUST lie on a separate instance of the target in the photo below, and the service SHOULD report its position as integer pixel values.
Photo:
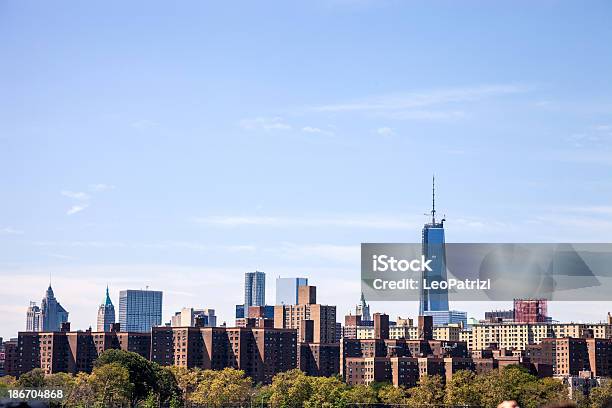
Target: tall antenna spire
(433, 199)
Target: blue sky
(178, 145)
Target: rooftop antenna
(433, 199)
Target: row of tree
(121, 379)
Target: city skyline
(361, 306)
(179, 150)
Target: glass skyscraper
(139, 310)
(287, 290)
(445, 317)
(33, 319)
(434, 249)
(49, 316)
(434, 302)
(254, 289)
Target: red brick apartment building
(404, 362)
(569, 355)
(72, 352)
(318, 350)
(260, 352)
(401, 361)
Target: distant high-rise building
(33, 319)
(240, 313)
(434, 249)
(287, 290)
(320, 318)
(188, 317)
(53, 314)
(499, 316)
(530, 310)
(106, 314)
(363, 309)
(434, 302)
(50, 315)
(254, 289)
(446, 317)
(139, 310)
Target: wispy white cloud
(546, 105)
(385, 131)
(263, 123)
(10, 231)
(603, 128)
(84, 198)
(158, 245)
(470, 223)
(233, 221)
(584, 155)
(358, 221)
(310, 129)
(573, 106)
(83, 244)
(411, 103)
(349, 254)
(96, 188)
(62, 257)
(591, 139)
(423, 115)
(76, 195)
(579, 225)
(80, 196)
(76, 209)
(590, 210)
